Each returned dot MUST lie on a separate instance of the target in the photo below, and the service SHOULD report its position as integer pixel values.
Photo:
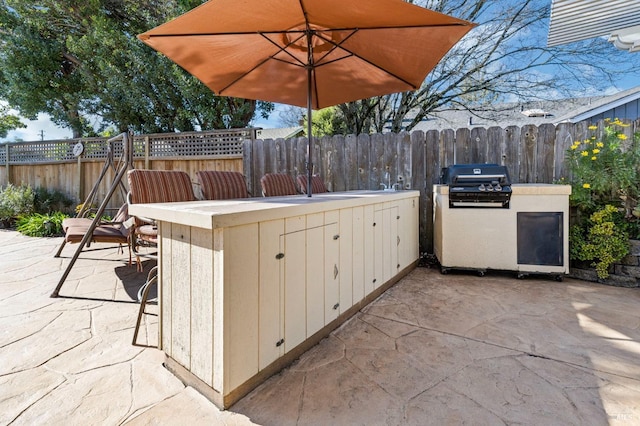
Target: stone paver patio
(434, 349)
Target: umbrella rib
(351, 53)
(284, 50)
(258, 65)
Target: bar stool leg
(143, 299)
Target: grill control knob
(489, 188)
(481, 187)
(498, 187)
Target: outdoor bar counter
(246, 286)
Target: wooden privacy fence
(532, 154)
(53, 164)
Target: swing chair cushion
(84, 222)
(106, 232)
(102, 234)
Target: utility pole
(41, 135)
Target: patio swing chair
(84, 230)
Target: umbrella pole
(310, 136)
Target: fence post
(247, 164)
(7, 151)
(80, 177)
(147, 152)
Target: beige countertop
(224, 213)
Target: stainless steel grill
(477, 185)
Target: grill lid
(475, 174)
(477, 185)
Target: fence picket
(545, 153)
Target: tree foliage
(505, 58)
(81, 63)
(8, 121)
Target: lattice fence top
(216, 144)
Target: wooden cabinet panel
(346, 263)
(357, 260)
(408, 232)
(331, 266)
(369, 249)
(378, 246)
(164, 286)
(294, 282)
(201, 306)
(270, 312)
(181, 294)
(315, 272)
(241, 260)
(392, 236)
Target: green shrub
(14, 202)
(41, 225)
(22, 201)
(48, 201)
(605, 181)
(600, 240)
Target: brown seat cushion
(222, 185)
(76, 222)
(317, 184)
(159, 186)
(84, 222)
(277, 184)
(102, 234)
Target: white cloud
(39, 129)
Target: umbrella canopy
(309, 53)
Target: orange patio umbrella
(308, 53)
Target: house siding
(628, 111)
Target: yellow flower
(594, 158)
(621, 136)
(592, 127)
(600, 145)
(584, 153)
(595, 151)
(574, 147)
(586, 185)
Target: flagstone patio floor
(434, 349)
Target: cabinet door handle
(335, 271)
(279, 343)
(398, 243)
